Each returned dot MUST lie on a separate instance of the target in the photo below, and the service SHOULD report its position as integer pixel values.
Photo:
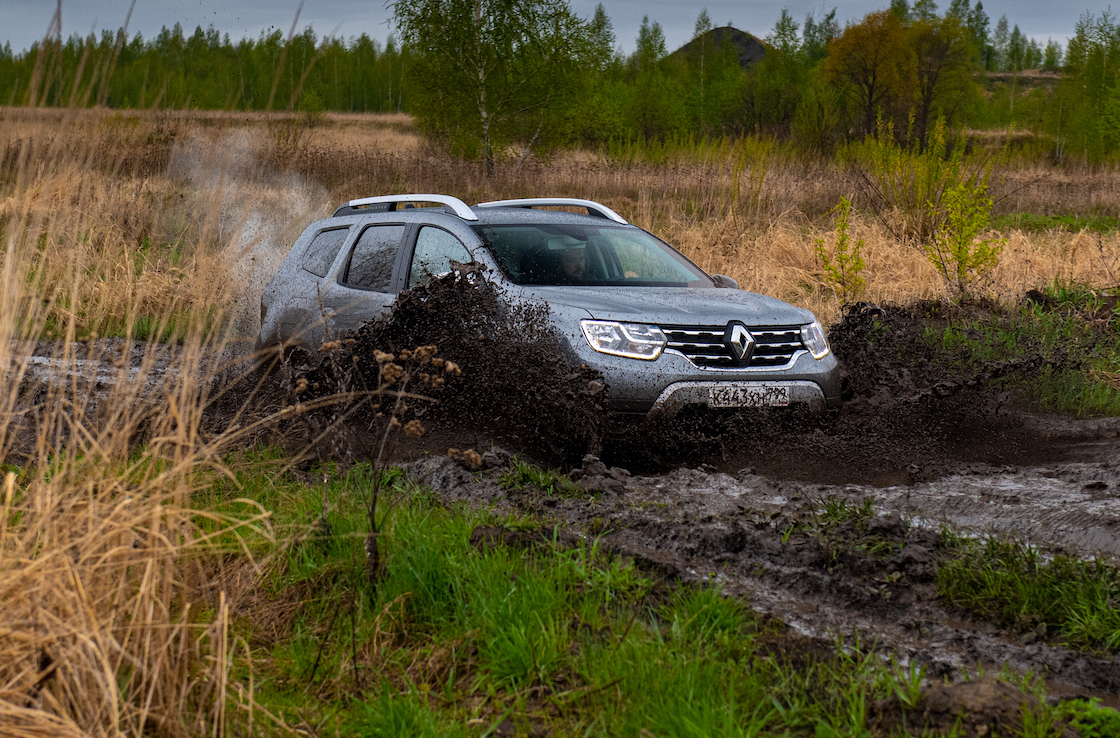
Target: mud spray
(251, 210)
(517, 385)
(910, 416)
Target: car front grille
(705, 346)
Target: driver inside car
(574, 263)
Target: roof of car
(529, 216)
(519, 211)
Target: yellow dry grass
(750, 210)
(782, 261)
(108, 623)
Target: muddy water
(1074, 507)
(736, 529)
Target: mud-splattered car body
(664, 334)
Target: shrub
(843, 266)
(956, 250)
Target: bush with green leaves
(843, 264)
(906, 185)
(957, 250)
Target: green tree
(1016, 59)
(489, 73)
(699, 52)
(924, 10)
(1077, 115)
(601, 39)
(657, 105)
(817, 34)
(782, 74)
(1000, 40)
(978, 22)
(870, 65)
(650, 47)
(1052, 56)
(843, 264)
(943, 72)
(957, 252)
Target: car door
(366, 283)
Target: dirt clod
(977, 709)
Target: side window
(435, 248)
(373, 257)
(320, 254)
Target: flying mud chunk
(511, 377)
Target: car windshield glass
(555, 254)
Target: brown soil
(984, 707)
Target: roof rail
(593, 208)
(365, 204)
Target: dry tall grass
(162, 194)
(109, 624)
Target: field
(184, 551)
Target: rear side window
(320, 254)
(373, 257)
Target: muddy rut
(734, 498)
(741, 530)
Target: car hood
(673, 305)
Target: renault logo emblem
(740, 341)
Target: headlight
(812, 336)
(632, 340)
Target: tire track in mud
(706, 526)
(952, 452)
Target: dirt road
(735, 503)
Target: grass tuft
(1064, 599)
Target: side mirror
(722, 280)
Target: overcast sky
(24, 21)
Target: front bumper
(680, 395)
(663, 387)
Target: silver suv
(664, 334)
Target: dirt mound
(517, 382)
(976, 709)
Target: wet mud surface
(735, 498)
(749, 533)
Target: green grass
(1072, 601)
(1090, 719)
(522, 475)
(840, 526)
(1072, 223)
(455, 640)
(1080, 349)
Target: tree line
(495, 78)
(207, 71)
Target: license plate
(765, 395)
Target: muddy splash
(517, 383)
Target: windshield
(554, 254)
